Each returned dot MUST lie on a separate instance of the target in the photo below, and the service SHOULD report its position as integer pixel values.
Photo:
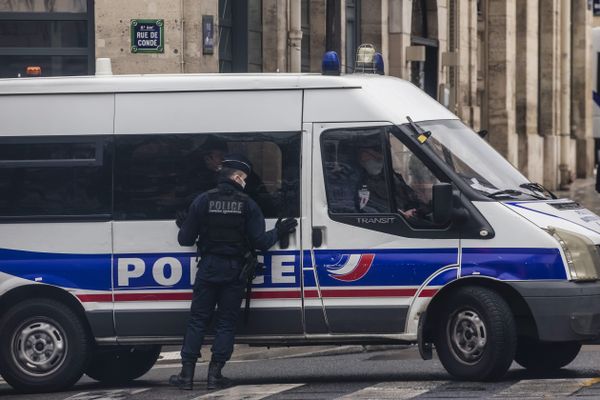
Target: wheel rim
(39, 347)
(467, 336)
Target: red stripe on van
(271, 294)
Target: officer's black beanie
(237, 161)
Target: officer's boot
(215, 379)
(185, 379)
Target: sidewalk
(584, 192)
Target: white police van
(485, 265)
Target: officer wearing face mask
(225, 223)
(373, 188)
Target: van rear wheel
(44, 346)
(122, 364)
(539, 356)
(476, 337)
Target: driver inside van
(372, 191)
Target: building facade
(518, 69)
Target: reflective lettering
(159, 275)
(124, 272)
(281, 267)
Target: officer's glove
(285, 226)
(180, 217)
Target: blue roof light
(330, 64)
(378, 61)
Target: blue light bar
(378, 61)
(330, 64)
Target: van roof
(361, 97)
(175, 83)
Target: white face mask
(373, 167)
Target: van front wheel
(539, 356)
(122, 364)
(476, 337)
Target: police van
(412, 229)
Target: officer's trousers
(227, 297)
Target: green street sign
(147, 36)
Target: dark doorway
(240, 33)
(424, 74)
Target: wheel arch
(526, 325)
(26, 292)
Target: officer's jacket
(221, 260)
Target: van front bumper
(563, 311)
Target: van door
(374, 245)
(157, 175)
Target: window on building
(57, 36)
(240, 33)
(352, 32)
(55, 177)
(158, 175)
(370, 171)
(305, 23)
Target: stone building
(519, 69)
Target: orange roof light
(34, 70)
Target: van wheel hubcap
(467, 336)
(39, 347)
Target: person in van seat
(372, 191)
(226, 224)
(206, 176)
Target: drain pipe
(182, 44)
(565, 93)
(295, 36)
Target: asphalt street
(346, 373)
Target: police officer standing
(226, 224)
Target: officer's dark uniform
(225, 223)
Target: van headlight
(582, 255)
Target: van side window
(355, 178)
(370, 171)
(158, 175)
(56, 176)
(417, 186)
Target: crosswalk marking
(170, 355)
(393, 390)
(117, 394)
(249, 392)
(532, 388)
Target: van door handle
(317, 237)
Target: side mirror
(482, 133)
(442, 203)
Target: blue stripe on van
(82, 271)
(513, 263)
(390, 267)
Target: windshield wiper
(504, 192)
(537, 187)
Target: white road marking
(536, 388)
(117, 394)
(249, 392)
(393, 390)
(2, 381)
(170, 355)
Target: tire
(122, 363)
(539, 356)
(44, 346)
(477, 336)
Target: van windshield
(477, 163)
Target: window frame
(392, 223)
(123, 213)
(100, 142)
(89, 50)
